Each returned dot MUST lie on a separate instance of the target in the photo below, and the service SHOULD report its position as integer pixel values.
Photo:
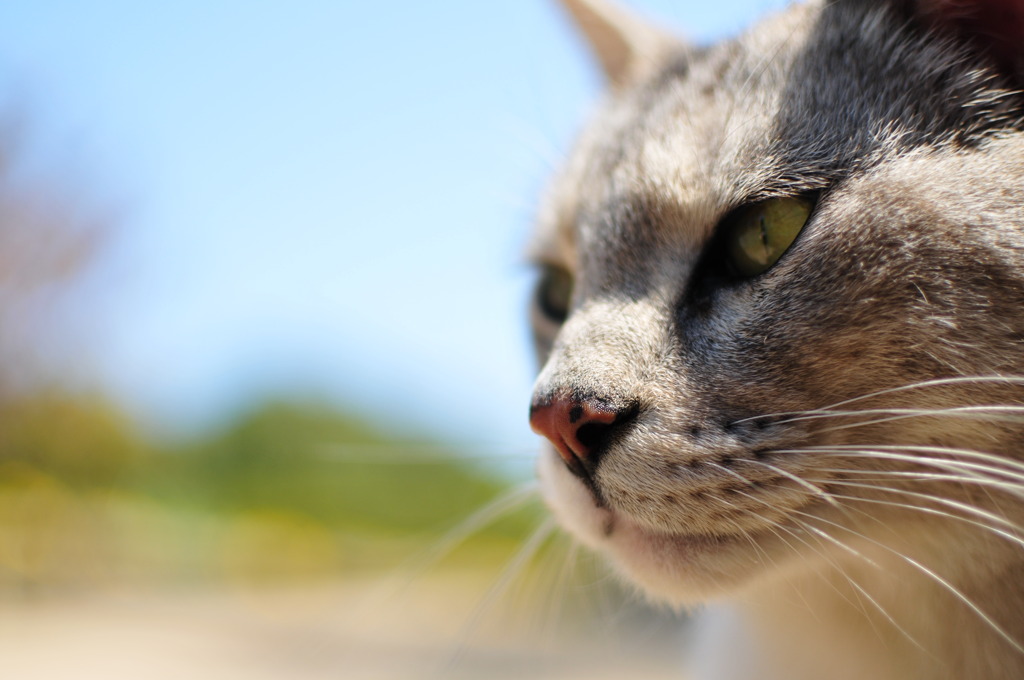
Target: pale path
(336, 632)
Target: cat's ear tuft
(993, 26)
(627, 47)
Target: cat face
(781, 294)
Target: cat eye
(554, 291)
(761, 233)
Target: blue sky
(312, 196)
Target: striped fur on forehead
(798, 104)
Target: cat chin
(681, 570)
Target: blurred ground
(305, 633)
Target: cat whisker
(539, 585)
(939, 382)
(512, 570)
(953, 472)
(970, 474)
(978, 512)
(762, 554)
(607, 609)
(557, 602)
(726, 470)
(967, 469)
(945, 584)
(499, 507)
(982, 412)
(903, 475)
(880, 449)
(904, 416)
(911, 476)
(775, 527)
(939, 513)
(835, 541)
(817, 491)
(857, 586)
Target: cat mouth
(619, 524)
(670, 562)
(687, 568)
(585, 511)
(679, 567)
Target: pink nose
(563, 420)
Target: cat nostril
(579, 429)
(592, 435)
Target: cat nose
(578, 428)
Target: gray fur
(911, 269)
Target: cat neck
(887, 620)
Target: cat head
(782, 290)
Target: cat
(780, 319)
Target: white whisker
(988, 620)
(889, 475)
(964, 453)
(940, 513)
(497, 508)
(557, 601)
(512, 569)
(912, 413)
(775, 527)
(825, 535)
(966, 469)
(939, 382)
(993, 412)
(817, 491)
(936, 499)
(859, 588)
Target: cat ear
(627, 47)
(993, 26)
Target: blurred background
(264, 364)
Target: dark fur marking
(575, 414)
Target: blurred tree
(81, 440)
(329, 466)
(46, 246)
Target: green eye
(761, 233)
(554, 292)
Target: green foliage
(285, 491)
(325, 465)
(82, 441)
